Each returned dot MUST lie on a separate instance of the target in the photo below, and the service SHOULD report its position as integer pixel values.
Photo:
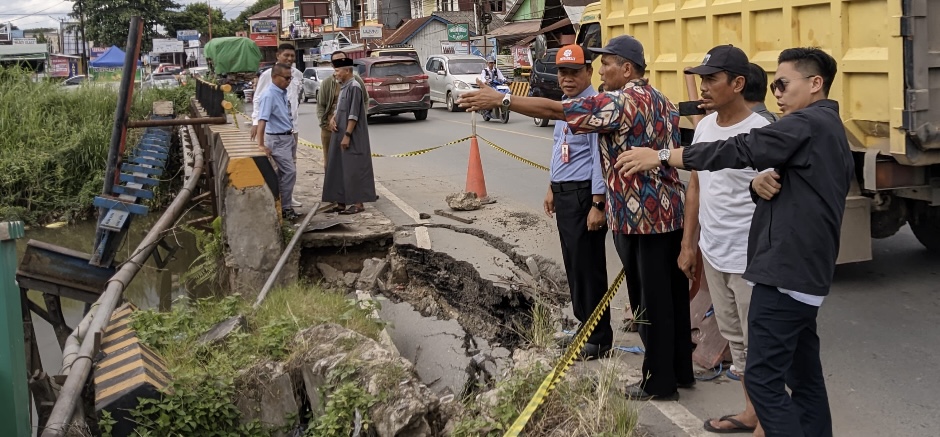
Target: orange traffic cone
(475, 182)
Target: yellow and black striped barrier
(513, 155)
(397, 155)
(561, 367)
(128, 372)
(519, 88)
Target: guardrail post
(14, 402)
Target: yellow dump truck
(888, 54)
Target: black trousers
(783, 350)
(659, 296)
(585, 260)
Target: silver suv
(452, 75)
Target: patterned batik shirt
(648, 202)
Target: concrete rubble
(463, 201)
(409, 408)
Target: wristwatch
(598, 205)
(349, 134)
(664, 155)
(506, 100)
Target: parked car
(312, 78)
(74, 81)
(395, 84)
(166, 68)
(543, 82)
(450, 76)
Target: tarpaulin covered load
(233, 54)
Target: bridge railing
(212, 97)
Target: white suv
(452, 75)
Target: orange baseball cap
(571, 56)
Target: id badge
(564, 152)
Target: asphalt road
(878, 326)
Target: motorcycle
(498, 113)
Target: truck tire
(925, 222)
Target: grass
(585, 405)
(54, 144)
(201, 397)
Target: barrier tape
(513, 155)
(548, 384)
(397, 155)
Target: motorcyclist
(492, 74)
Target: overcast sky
(29, 14)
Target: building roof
(23, 52)
(272, 12)
(522, 29)
(411, 28)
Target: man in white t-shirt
(718, 215)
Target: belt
(560, 187)
(280, 133)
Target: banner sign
(24, 41)
(263, 26)
(187, 35)
(167, 45)
(264, 39)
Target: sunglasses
(781, 85)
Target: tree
(41, 38)
(195, 16)
(106, 21)
(241, 21)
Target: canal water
(151, 287)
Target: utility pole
(81, 23)
(210, 18)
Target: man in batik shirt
(644, 211)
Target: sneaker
(289, 214)
(295, 204)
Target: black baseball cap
(723, 58)
(626, 47)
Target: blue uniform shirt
(274, 109)
(584, 156)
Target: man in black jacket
(794, 238)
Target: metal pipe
(177, 122)
(125, 97)
(281, 262)
(71, 391)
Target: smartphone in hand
(691, 108)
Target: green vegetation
(208, 267)
(587, 404)
(54, 144)
(201, 398)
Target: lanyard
(564, 144)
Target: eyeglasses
(781, 85)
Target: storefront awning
(24, 52)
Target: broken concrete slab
(370, 226)
(406, 406)
(436, 347)
(372, 270)
(465, 201)
(350, 279)
(222, 330)
(330, 274)
(266, 392)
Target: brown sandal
(355, 209)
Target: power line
(35, 13)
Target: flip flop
(739, 427)
(732, 375)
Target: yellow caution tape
(533, 164)
(397, 155)
(561, 367)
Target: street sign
(24, 41)
(187, 35)
(458, 32)
(370, 31)
(167, 45)
(311, 58)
